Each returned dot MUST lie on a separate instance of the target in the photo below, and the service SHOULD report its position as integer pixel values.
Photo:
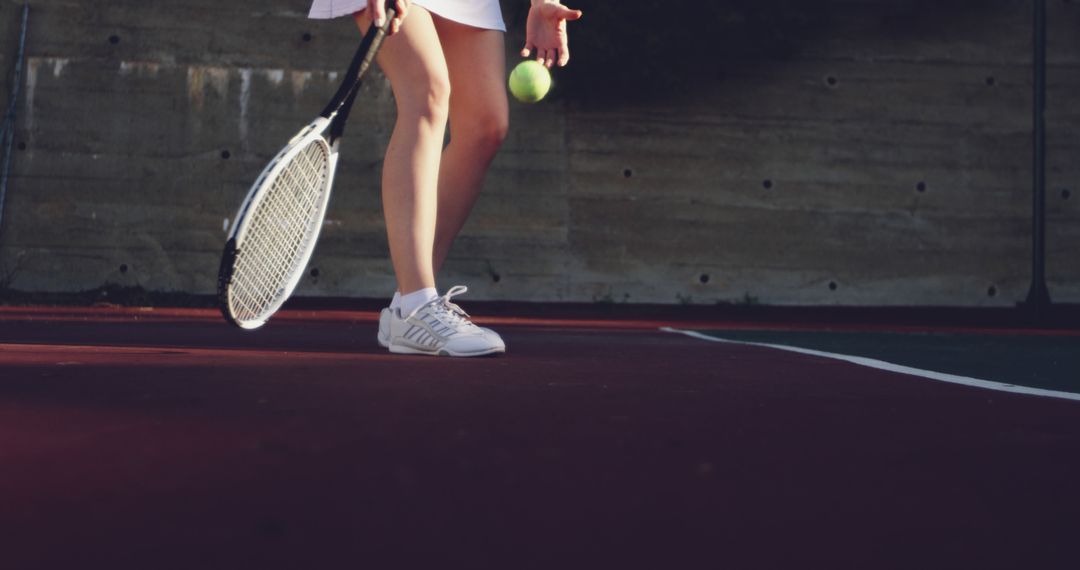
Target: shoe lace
(446, 310)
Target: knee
(427, 99)
(496, 128)
(487, 133)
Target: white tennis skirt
(486, 14)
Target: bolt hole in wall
(627, 173)
(767, 184)
(495, 277)
(991, 291)
(225, 155)
(704, 278)
(123, 268)
(1065, 194)
(990, 81)
(114, 39)
(314, 272)
(22, 146)
(306, 37)
(831, 81)
(833, 286)
(920, 187)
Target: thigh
(412, 59)
(476, 61)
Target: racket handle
(361, 61)
(374, 39)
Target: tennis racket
(275, 230)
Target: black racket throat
(339, 107)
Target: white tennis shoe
(384, 329)
(440, 328)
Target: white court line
(890, 367)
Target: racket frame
(312, 134)
(332, 119)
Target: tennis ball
(530, 81)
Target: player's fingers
(378, 13)
(565, 13)
(550, 57)
(564, 56)
(399, 17)
(529, 47)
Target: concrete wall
(825, 152)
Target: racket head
(275, 230)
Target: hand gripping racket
(275, 230)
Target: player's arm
(378, 13)
(545, 32)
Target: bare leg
(479, 112)
(413, 61)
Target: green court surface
(1049, 362)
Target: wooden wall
(828, 152)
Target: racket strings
(279, 235)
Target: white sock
(417, 299)
(396, 301)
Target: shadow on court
(164, 439)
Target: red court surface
(160, 439)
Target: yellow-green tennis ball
(530, 81)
